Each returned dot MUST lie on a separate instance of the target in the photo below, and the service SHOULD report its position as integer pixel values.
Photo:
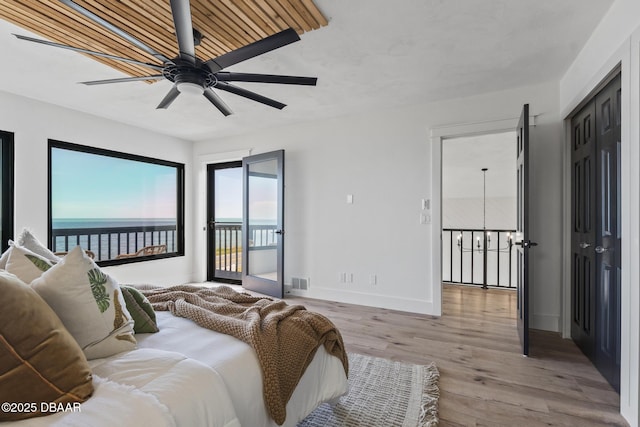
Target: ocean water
(60, 223)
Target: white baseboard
(545, 322)
(372, 300)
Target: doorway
(224, 213)
(245, 223)
(479, 210)
(595, 229)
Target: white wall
(616, 40)
(385, 160)
(33, 123)
(383, 163)
(468, 212)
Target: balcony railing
(228, 251)
(109, 242)
(479, 257)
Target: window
(119, 207)
(6, 188)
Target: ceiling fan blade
(124, 80)
(128, 37)
(217, 101)
(181, 10)
(90, 52)
(169, 98)
(225, 76)
(250, 95)
(254, 49)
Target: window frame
(180, 199)
(8, 188)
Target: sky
(93, 186)
(228, 195)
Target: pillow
(25, 264)
(89, 303)
(39, 360)
(29, 241)
(4, 258)
(144, 317)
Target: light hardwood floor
(484, 379)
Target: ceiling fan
(188, 73)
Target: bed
(323, 381)
(181, 375)
(186, 375)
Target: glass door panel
(263, 223)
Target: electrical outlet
(373, 280)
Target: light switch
(426, 204)
(350, 199)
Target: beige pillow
(25, 264)
(39, 360)
(89, 303)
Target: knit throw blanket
(284, 337)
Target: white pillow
(25, 264)
(29, 241)
(89, 303)
(4, 258)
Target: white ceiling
(374, 54)
(463, 160)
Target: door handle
(584, 245)
(279, 231)
(600, 249)
(526, 243)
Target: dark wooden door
(523, 241)
(583, 228)
(596, 239)
(608, 237)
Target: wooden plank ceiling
(225, 24)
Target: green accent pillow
(144, 317)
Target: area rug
(383, 393)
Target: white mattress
(237, 364)
(148, 387)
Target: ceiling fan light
(190, 88)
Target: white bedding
(151, 388)
(188, 376)
(237, 364)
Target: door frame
(437, 137)
(210, 208)
(627, 57)
(199, 229)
